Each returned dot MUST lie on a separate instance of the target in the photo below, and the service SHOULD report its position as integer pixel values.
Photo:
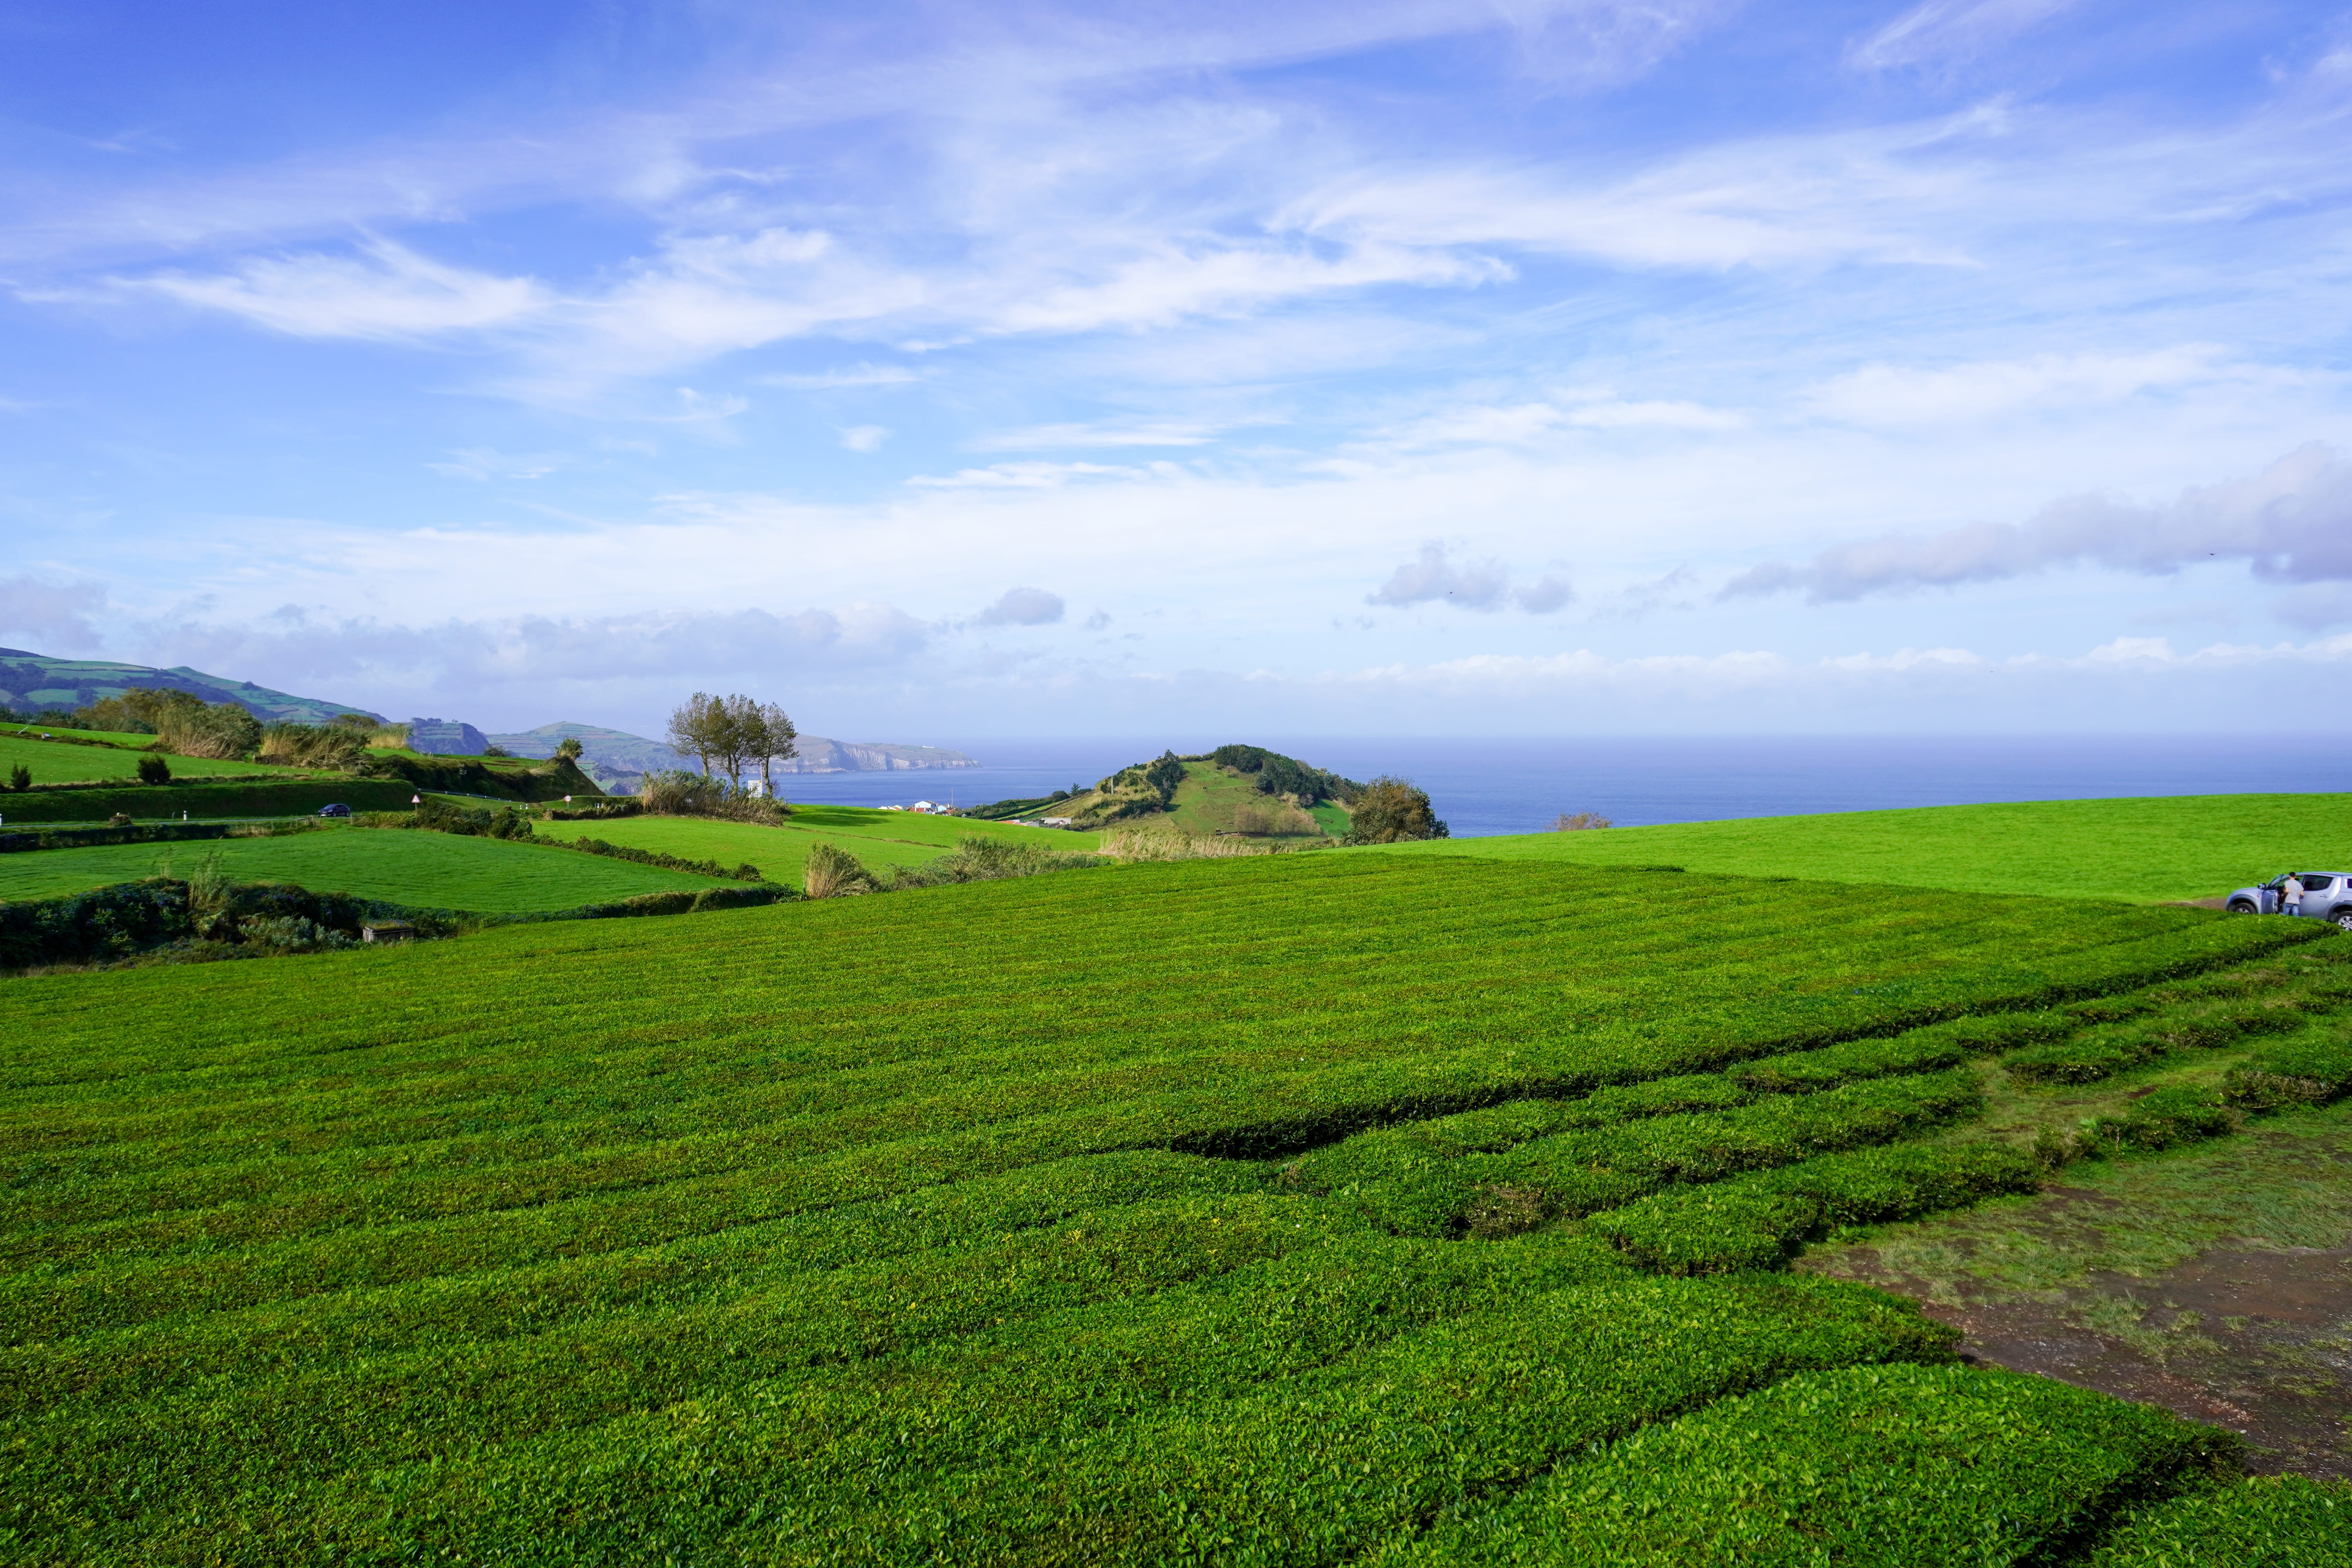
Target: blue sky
(1509, 368)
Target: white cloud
(847, 376)
(1902, 397)
(1023, 476)
(63, 616)
(1942, 30)
(1023, 607)
(2293, 521)
(483, 463)
(1048, 437)
(1524, 424)
(1482, 585)
(393, 293)
(863, 437)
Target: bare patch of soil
(2254, 1339)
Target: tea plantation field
(878, 838)
(2141, 850)
(1302, 1210)
(434, 870)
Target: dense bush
(833, 872)
(153, 769)
(673, 791)
(440, 817)
(313, 745)
(20, 778)
(979, 859)
(221, 731)
(605, 811)
(1274, 773)
(1391, 811)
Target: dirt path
(2253, 1339)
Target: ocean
(1482, 787)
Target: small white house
(923, 806)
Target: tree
(568, 749)
(695, 726)
(778, 742)
(1390, 811)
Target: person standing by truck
(2291, 895)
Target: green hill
(1237, 789)
(2143, 849)
(1298, 1209)
(32, 682)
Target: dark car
(337, 809)
(2327, 896)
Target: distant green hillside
(2142, 850)
(30, 682)
(1247, 790)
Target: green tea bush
(1895, 1464)
(656, 857)
(2261, 1521)
(2164, 1117)
(2315, 1072)
(1761, 1221)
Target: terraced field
(434, 870)
(1303, 1210)
(2138, 850)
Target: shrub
(2261, 1521)
(1391, 811)
(976, 859)
(2163, 1118)
(833, 872)
(507, 822)
(154, 770)
(1578, 822)
(2303, 1072)
(673, 791)
(606, 812)
(313, 745)
(742, 873)
(1172, 844)
(221, 731)
(20, 778)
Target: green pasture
(434, 870)
(2142, 850)
(1300, 1210)
(878, 838)
(52, 761)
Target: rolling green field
(878, 838)
(54, 762)
(2142, 850)
(434, 870)
(1301, 1210)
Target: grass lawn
(437, 870)
(878, 838)
(53, 762)
(1282, 1210)
(2145, 850)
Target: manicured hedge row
(2103, 1052)
(2315, 1072)
(88, 838)
(1580, 1173)
(2262, 1521)
(1330, 1463)
(743, 873)
(1872, 1464)
(1761, 1221)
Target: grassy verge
(2140, 850)
(878, 838)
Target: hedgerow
(1036, 1219)
(1873, 1464)
(2261, 1521)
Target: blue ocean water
(1482, 787)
